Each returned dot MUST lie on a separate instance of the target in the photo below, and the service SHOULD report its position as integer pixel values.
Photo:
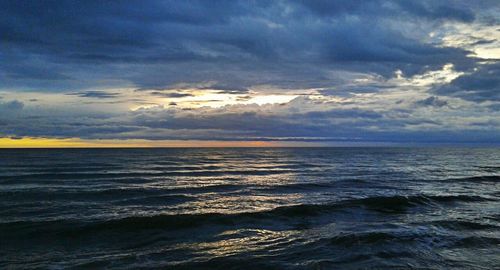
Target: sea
(250, 208)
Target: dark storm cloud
(345, 113)
(480, 85)
(227, 89)
(64, 45)
(13, 105)
(483, 42)
(170, 94)
(95, 94)
(432, 101)
(426, 8)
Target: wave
(94, 176)
(415, 200)
(391, 204)
(484, 178)
(295, 187)
(107, 190)
(363, 238)
(476, 241)
(156, 200)
(113, 195)
(462, 225)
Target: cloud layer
(377, 70)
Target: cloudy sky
(249, 72)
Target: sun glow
(215, 99)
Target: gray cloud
(170, 94)
(438, 10)
(13, 105)
(64, 45)
(432, 101)
(95, 94)
(480, 85)
(295, 120)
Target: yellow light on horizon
(29, 142)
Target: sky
(249, 73)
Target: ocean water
(257, 208)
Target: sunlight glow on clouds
(483, 41)
(211, 99)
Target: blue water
(258, 208)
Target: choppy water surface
(263, 208)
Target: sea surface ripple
(250, 208)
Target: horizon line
(74, 143)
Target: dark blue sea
(250, 208)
